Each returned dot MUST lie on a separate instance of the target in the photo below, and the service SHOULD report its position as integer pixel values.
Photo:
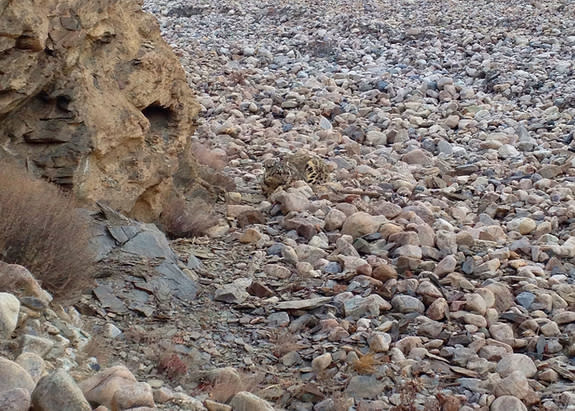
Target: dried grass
(172, 365)
(41, 229)
(181, 218)
(366, 364)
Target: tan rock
(321, 362)
(13, 376)
(94, 98)
(361, 223)
(251, 235)
(134, 395)
(100, 388)
(438, 309)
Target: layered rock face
(91, 97)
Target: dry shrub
(41, 229)
(207, 157)
(226, 386)
(366, 364)
(172, 365)
(181, 218)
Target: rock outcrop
(92, 98)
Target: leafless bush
(41, 229)
(181, 218)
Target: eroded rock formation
(91, 97)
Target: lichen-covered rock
(93, 98)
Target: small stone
(278, 320)
(407, 304)
(409, 251)
(438, 309)
(321, 363)
(324, 123)
(260, 290)
(507, 403)
(277, 271)
(507, 151)
(564, 317)
(551, 329)
(488, 268)
(417, 156)
(291, 358)
(406, 344)
(475, 303)
(9, 309)
(361, 223)
(503, 296)
(525, 299)
(358, 306)
(452, 121)
(445, 266)
(376, 138)
(246, 401)
(502, 332)
(58, 391)
(379, 342)
(516, 362)
(111, 331)
(384, 272)
(234, 293)
(334, 219)
(216, 406)
(293, 201)
(251, 235)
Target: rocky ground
(435, 271)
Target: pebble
(407, 304)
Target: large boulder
(91, 97)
